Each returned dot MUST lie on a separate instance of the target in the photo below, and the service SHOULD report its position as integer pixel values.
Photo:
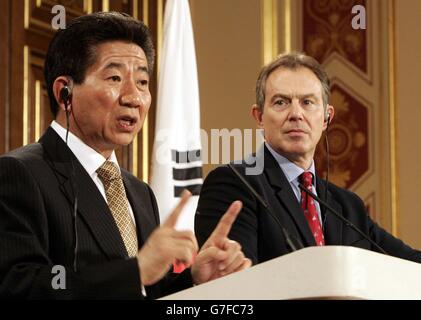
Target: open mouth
(127, 122)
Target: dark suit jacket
(37, 229)
(259, 234)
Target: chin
(123, 140)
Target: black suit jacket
(37, 228)
(261, 236)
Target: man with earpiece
(279, 215)
(73, 224)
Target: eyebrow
(289, 97)
(116, 65)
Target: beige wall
(228, 50)
(408, 87)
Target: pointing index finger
(224, 226)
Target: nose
(133, 97)
(296, 111)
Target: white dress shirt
(88, 158)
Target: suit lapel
(91, 206)
(286, 196)
(145, 222)
(332, 226)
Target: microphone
(294, 245)
(340, 217)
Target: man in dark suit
(73, 224)
(292, 95)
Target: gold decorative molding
(41, 24)
(135, 143)
(87, 6)
(145, 10)
(393, 113)
(271, 43)
(136, 9)
(287, 26)
(105, 5)
(37, 109)
(145, 128)
(25, 94)
(269, 12)
(159, 29)
(135, 157)
(145, 150)
(26, 14)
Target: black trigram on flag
(187, 171)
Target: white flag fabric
(176, 158)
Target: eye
(115, 78)
(308, 102)
(143, 82)
(280, 102)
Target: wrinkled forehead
(118, 52)
(297, 81)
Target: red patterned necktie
(309, 208)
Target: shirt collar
(290, 169)
(90, 159)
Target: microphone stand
(293, 246)
(340, 217)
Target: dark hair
(292, 61)
(72, 50)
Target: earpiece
(327, 117)
(65, 93)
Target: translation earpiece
(65, 93)
(327, 117)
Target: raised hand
(165, 245)
(219, 255)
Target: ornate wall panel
(348, 140)
(24, 106)
(327, 29)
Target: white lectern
(330, 272)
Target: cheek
(146, 100)
(104, 106)
(317, 131)
(277, 122)
(106, 99)
(269, 118)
